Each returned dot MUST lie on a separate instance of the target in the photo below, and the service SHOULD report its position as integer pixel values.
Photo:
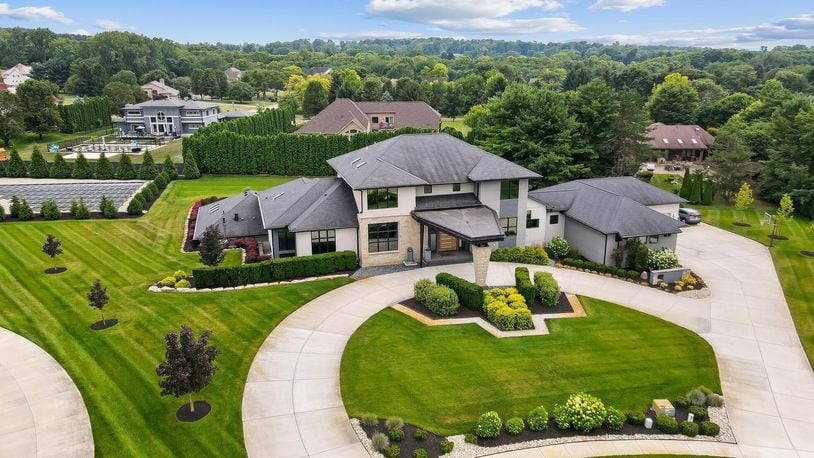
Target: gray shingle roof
(185, 104)
(446, 201)
(304, 204)
(612, 205)
(421, 159)
(333, 118)
(473, 224)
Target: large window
(509, 189)
(382, 237)
(323, 241)
(382, 198)
(531, 222)
(286, 242)
(509, 225)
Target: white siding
(441, 189)
(303, 243)
(489, 194)
(553, 230)
(670, 210)
(406, 205)
(522, 203)
(591, 244)
(536, 236)
(346, 240)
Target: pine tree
(26, 213)
(125, 170)
(189, 365)
(686, 185)
(60, 168)
(708, 192)
(148, 170)
(211, 248)
(695, 192)
(81, 168)
(168, 167)
(135, 206)
(104, 170)
(98, 298)
(38, 168)
(191, 171)
(107, 207)
(14, 208)
(16, 166)
(50, 210)
(82, 211)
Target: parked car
(650, 166)
(689, 215)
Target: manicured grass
(441, 378)
(794, 269)
(458, 124)
(25, 143)
(115, 369)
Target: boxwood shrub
(709, 428)
(515, 426)
(635, 417)
(438, 298)
(699, 413)
(274, 270)
(521, 254)
(522, 282)
(667, 424)
(689, 428)
(469, 294)
(614, 419)
(548, 290)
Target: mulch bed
(552, 432)
(563, 306)
(102, 325)
(202, 409)
(778, 237)
(55, 270)
(807, 253)
(742, 224)
(431, 444)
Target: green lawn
(25, 143)
(794, 270)
(441, 378)
(115, 369)
(459, 124)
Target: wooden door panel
(447, 242)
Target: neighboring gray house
(598, 215)
(167, 117)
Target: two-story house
(166, 117)
(344, 116)
(160, 90)
(16, 76)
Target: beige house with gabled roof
(157, 90)
(344, 116)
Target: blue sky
(718, 23)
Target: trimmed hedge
(274, 270)
(522, 282)
(521, 254)
(438, 298)
(548, 290)
(93, 113)
(470, 294)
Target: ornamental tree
(189, 364)
(98, 298)
(784, 212)
(52, 247)
(211, 248)
(744, 198)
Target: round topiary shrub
(635, 417)
(709, 428)
(682, 402)
(380, 442)
(470, 438)
(393, 451)
(420, 453)
(396, 434)
(614, 419)
(183, 283)
(168, 281)
(715, 400)
(699, 413)
(538, 419)
(488, 425)
(689, 428)
(667, 424)
(420, 435)
(446, 447)
(515, 426)
(394, 422)
(581, 412)
(697, 397)
(179, 274)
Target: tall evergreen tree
(38, 167)
(16, 166)
(104, 170)
(125, 170)
(674, 101)
(148, 170)
(168, 167)
(191, 171)
(696, 193)
(81, 168)
(708, 192)
(60, 168)
(686, 185)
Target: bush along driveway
(292, 404)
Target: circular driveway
(292, 406)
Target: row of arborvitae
(81, 168)
(386, 444)
(189, 365)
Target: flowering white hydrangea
(582, 412)
(663, 259)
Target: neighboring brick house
(344, 116)
(157, 90)
(679, 142)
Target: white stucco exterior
(670, 210)
(346, 240)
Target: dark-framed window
(382, 198)
(382, 237)
(374, 119)
(428, 189)
(531, 223)
(554, 219)
(509, 226)
(286, 241)
(323, 241)
(509, 189)
(456, 187)
(652, 239)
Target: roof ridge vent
(278, 195)
(361, 164)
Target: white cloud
(110, 25)
(34, 13)
(477, 17)
(81, 32)
(795, 29)
(624, 5)
(370, 35)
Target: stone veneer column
(480, 258)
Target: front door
(447, 242)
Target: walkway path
(292, 406)
(42, 410)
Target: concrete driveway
(42, 410)
(292, 406)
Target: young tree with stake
(744, 198)
(52, 247)
(98, 298)
(211, 248)
(189, 364)
(783, 213)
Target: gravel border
(465, 450)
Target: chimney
(161, 80)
